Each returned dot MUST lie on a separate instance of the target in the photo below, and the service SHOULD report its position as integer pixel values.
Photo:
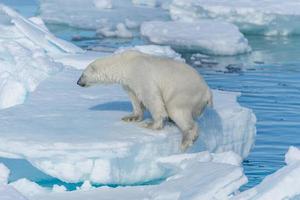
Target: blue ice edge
(20, 168)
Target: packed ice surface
(76, 134)
(268, 17)
(207, 36)
(196, 176)
(84, 13)
(283, 184)
(25, 46)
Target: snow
(269, 17)
(207, 36)
(4, 173)
(79, 136)
(84, 13)
(7, 192)
(283, 184)
(157, 50)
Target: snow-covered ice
(268, 17)
(84, 13)
(85, 139)
(283, 184)
(25, 46)
(207, 36)
(29, 54)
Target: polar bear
(167, 88)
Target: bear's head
(89, 77)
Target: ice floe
(283, 184)
(121, 31)
(270, 17)
(79, 136)
(84, 13)
(157, 50)
(207, 36)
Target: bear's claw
(132, 118)
(188, 141)
(152, 125)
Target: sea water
(268, 79)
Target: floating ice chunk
(102, 4)
(84, 13)
(79, 136)
(131, 23)
(86, 186)
(293, 155)
(283, 184)
(7, 192)
(59, 188)
(4, 173)
(164, 51)
(121, 31)
(28, 188)
(208, 36)
(273, 17)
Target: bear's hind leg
(185, 122)
(138, 108)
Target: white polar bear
(167, 88)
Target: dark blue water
(268, 78)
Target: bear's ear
(93, 68)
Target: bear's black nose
(79, 82)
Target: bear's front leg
(138, 108)
(158, 112)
